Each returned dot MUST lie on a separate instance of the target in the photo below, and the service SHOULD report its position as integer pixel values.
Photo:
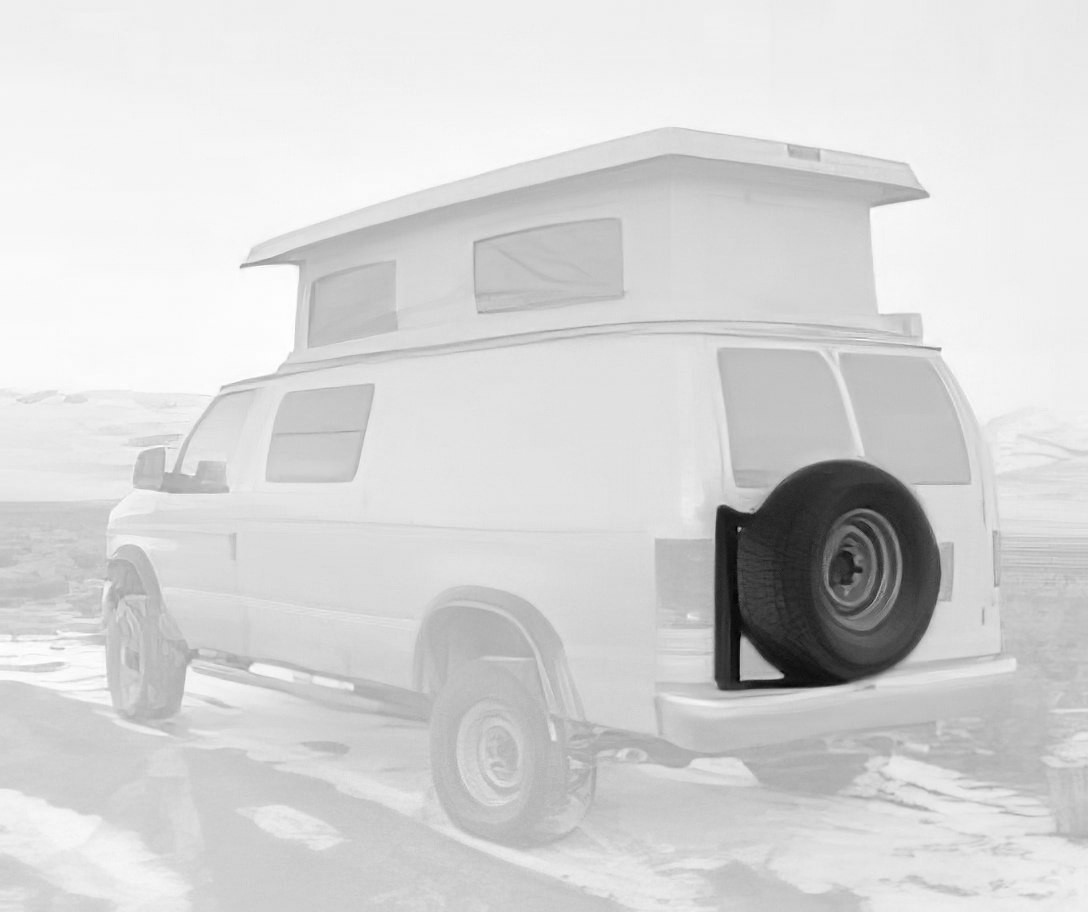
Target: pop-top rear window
(567, 263)
(353, 304)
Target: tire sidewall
(163, 661)
(891, 640)
(789, 533)
(535, 814)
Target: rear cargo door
(791, 405)
(911, 423)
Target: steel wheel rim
(861, 570)
(491, 754)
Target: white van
(606, 450)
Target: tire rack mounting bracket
(728, 625)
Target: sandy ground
(257, 799)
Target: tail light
(997, 558)
(684, 571)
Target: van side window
(554, 264)
(318, 434)
(353, 304)
(213, 444)
(907, 421)
(784, 411)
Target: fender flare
(131, 554)
(557, 683)
(137, 558)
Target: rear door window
(784, 412)
(318, 434)
(907, 421)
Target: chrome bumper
(707, 720)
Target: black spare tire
(837, 573)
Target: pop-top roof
(887, 181)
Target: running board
(342, 693)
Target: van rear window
(907, 421)
(553, 264)
(318, 434)
(784, 412)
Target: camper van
(606, 452)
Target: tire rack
(728, 623)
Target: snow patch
(293, 825)
(87, 857)
(907, 834)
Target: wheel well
(467, 624)
(459, 634)
(131, 556)
(115, 571)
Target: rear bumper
(707, 720)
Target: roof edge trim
(896, 179)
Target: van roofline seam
(805, 332)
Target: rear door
(912, 422)
(789, 405)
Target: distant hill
(1034, 437)
(81, 445)
(1042, 460)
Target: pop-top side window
(907, 421)
(318, 434)
(554, 264)
(784, 411)
(353, 304)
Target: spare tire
(838, 573)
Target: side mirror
(211, 475)
(150, 469)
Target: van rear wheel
(497, 771)
(145, 668)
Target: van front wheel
(145, 668)
(497, 771)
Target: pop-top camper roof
(662, 226)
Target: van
(606, 452)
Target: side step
(340, 693)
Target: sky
(147, 145)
